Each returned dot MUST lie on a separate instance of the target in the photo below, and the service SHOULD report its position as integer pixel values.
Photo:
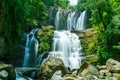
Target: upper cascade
(57, 18)
(80, 21)
(73, 21)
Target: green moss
(93, 60)
(45, 38)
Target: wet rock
(113, 66)
(26, 72)
(7, 71)
(87, 69)
(48, 68)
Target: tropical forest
(59, 40)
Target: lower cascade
(31, 49)
(66, 45)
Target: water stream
(31, 49)
(66, 45)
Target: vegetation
(105, 18)
(45, 37)
(17, 15)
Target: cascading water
(31, 49)
(71, 21)
(66, 45)
(80, 21)
(57, 18)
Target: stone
(57, 75)
(70, 77)
(91, 77)
(87, 69)
(49, 67)
(4, 74)
(26, 72)
(7, 71)
(102, 67)
(113, 66)
(103, 72)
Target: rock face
(7, 72)
(113, 66)
(48, 68)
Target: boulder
(113, 66)
(57, 75)
(49, 67)
(4, 74)
(87, 69)
(7, 72)
(70, 77)
(26, 72)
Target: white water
(66, 45)
(31, 49)
(80, 21)
(71, 21)
(57, 18)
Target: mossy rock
(10, 69)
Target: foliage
(19, 14)
(105, 18)
(16, 16)
(45, 37)
(60, 3)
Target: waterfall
(71, 21)
(31, 49)
(66, 45)
(80, 21)
(57, 18)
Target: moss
(45, 38)
(93, 60)
(89, 42)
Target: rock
(102, 67)
(87, 69)
(113, 66)
(4, 74)
(70, 77)
(57, 75)
(7, 71)
(90, 77)
(26, 72)
(48, 68)
(117, 75)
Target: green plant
(45, 37)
